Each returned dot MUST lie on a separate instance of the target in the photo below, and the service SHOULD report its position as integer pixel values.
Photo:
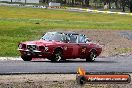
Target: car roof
(66, 32)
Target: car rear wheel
(26, 58)
(57, 55)
(92, 56)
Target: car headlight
(46, 48)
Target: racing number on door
(83, 50)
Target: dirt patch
(113, 41)
(126, 34)
(50, 81)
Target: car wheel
(26, 58)
(91, 56)
(57, 55)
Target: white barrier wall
(6, 0)
(23, 1)
(54, 4)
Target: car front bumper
(35, 53)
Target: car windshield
(49, 36)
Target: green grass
(19, 24)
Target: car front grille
(31, 47)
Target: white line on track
(10, 58)
(19, 58)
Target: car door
(72, 46)
(75, 52)
(83, 46)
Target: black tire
(91, 56)
(26, 58)
(57, 56)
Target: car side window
(66, 38)
(81, 39)
(73, 38)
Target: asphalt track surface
(109, 64)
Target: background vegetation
(118, 4)
(24, 24)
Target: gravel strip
(50, 81)
(126, 34)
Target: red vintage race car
(57, 46)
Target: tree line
(118, 4)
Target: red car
(57, 46)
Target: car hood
(41, 42)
